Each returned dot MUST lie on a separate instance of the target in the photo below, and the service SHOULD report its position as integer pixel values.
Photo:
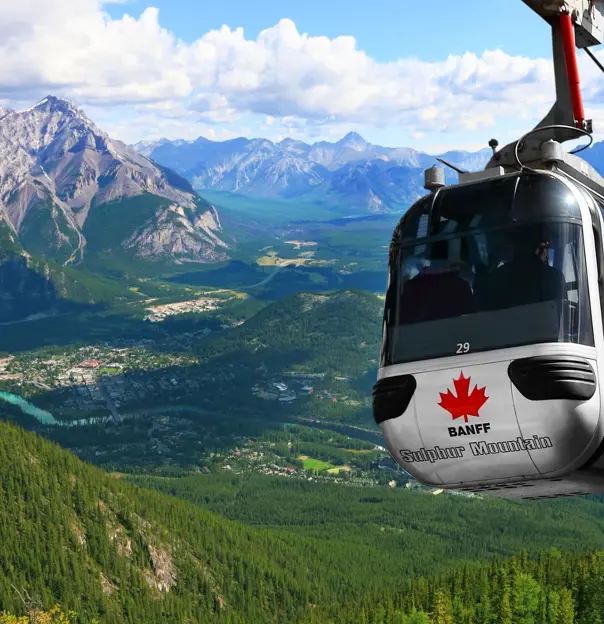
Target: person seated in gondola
(437, 291)
(526, 279)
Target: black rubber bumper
(391, 397)
(547, 377)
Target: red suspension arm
(572, 69)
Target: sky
(429, 74)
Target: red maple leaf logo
(464, 404)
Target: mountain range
(350, 173)
(69, 193)
(67, 189)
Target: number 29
(462, 347)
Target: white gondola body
(509, 445)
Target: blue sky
(385, 29)
(429, 74)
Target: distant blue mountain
(350, 172)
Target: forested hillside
(393, 532)
(337, 332)
(33, 285)
(555, 588)
(104, 548)
(72, 534)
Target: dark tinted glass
(415, 222)
(482, 205)
(486, 290)
(493, 203)
(543, 197)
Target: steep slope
(23, 290)
(254, 167)
(57, 168)
(72, 534)
(350, 172)
(378, 185)
(429, 535)
(350, 148)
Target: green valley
(298, 550)
(150, 393)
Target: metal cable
(593, 57)
(560, 126)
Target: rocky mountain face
(350, 172)
(57, 169)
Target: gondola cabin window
(496, 270)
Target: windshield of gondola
(483, 270)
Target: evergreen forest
(112, 551)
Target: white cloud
(74, 48)
(151, 126)
(309, 84)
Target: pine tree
(502, 608)
(442, 613)
(525, 601)
(553, 607)
(416, 617)
(566, 608)
(483, 610)
(504, 612)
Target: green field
(109, 370)
(316, 465)
(338, 469)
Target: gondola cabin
(493, 346)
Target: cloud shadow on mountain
(26, 293)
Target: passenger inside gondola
(526, 279)
(438, 291)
